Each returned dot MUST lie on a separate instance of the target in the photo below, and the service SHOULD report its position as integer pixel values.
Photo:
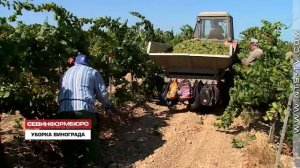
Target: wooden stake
(284, 128)
(273, 127)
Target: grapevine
(266, 85)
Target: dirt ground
(155, 137)
(161, 138)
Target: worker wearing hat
(80, 86)
(255, 53)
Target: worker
(80, 86)
(292, 56)
(255, 52)
(216, 31)
(70, 62)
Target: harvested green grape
(201, 47)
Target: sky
(171, 14)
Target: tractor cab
(216, 26)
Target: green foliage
(201, 47)
(186, 32)
(33, 56)
(242, 141)
(289, 133)
(237, 144)
(172, 38)
(4, 92)
(264, 86)
(18, 123)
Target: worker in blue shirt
(80, 87)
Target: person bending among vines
(255, 52)
(80, 86)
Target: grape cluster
(201, 47)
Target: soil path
(178, 139)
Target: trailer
(207, 68)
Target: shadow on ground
(257, 126)
(134, 141)
(18, 152)
(218, 111)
